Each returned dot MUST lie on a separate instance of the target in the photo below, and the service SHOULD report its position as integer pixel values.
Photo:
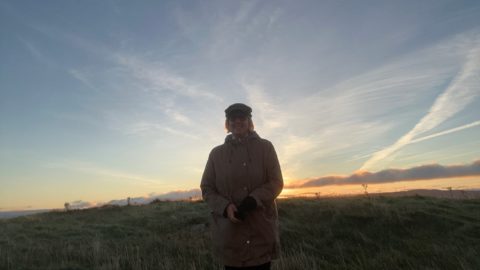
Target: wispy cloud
(178, 117)
(161, 79)
(231, 31)
(268, 116)
(145, 127)
(37, 53)
(274, 121)
(163, 92)
(462, 91)
(155, 87)
(424, 172)
(95, 170)
(358, 114)
(83, 77)
(230, 28)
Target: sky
(104, 100)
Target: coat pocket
(224, 232)
(270, 211)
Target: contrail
(473, 124)
(461, 92)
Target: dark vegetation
(326, 233)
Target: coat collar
(233, 140)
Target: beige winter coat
(235, 170)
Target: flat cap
(238, 109)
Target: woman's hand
(231, 209)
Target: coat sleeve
(269, 190)
(215, 201)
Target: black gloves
(248, 204)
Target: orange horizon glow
(456, 183)
(459, 183)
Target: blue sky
(101, 100)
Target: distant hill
(362, 232)
(451, 194)
(12, 214)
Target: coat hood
(233, 143)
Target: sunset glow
(464, 183)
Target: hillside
(328, 233)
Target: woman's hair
(251, 127)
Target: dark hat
(238, 109)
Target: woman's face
(238, 125)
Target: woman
(241, 180)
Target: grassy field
(328, 233)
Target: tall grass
(331, 233)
